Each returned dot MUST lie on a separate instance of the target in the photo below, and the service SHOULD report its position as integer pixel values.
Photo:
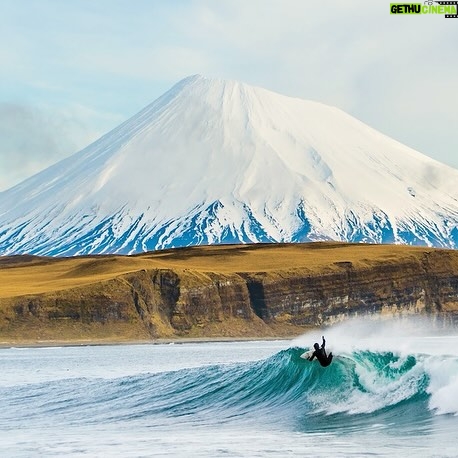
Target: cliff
(220, 291)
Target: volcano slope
(224, 291)
(222, 162)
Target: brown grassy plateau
(24, 277)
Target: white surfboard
(307, 354)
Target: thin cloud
(33, 139)
(395, 73)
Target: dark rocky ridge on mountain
(253, 291)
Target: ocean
(391, 391)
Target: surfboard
(307, 354)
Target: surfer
(320, 354)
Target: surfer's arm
(310, 358)
(324, 343)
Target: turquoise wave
(357, 389)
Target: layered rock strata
(173, 302)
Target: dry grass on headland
(217, 292)
(24, 275)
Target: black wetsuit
(321, 356)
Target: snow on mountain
(214, 161)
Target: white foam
(436, 357)
(443, 386)
(403, 336)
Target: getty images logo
(447, 8)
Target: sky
(70, 71)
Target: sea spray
(237, 399)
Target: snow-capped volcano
(214, 161)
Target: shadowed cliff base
(225, 291)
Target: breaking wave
(359, 387)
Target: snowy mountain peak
(214, 161)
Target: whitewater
(392, 390)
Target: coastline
(161, 341)
(219, 293)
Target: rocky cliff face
(174, 302)
(405, 288)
